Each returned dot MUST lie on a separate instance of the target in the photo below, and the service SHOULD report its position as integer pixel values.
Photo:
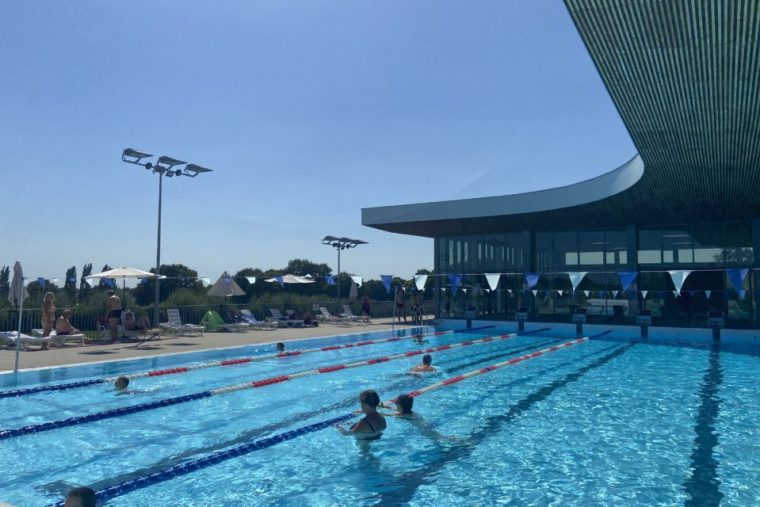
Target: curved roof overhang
(685, 82)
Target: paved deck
(75, 354)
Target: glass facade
(707, 250)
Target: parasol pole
(18, 335)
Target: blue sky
(307, 112)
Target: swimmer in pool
(280, 347)
(404, 404)
(425, 367)
(121, 385)
(371, 426)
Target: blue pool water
(613, 421)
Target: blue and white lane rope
(218, 457)
(118, 412)
(226, 362)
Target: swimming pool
(612, 421)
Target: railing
(88, 318)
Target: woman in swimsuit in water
(371, 426)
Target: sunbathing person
(425, 367)
(371, 426)
(63, 325)
(134, 324)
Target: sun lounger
(283, 320)
(329, 317)
(212, 321)
(349, 315)
(9, 338)
(251, 320)
(175, 326)
(60, 339)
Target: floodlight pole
(341, 244)
(163, 166)
(157, 298)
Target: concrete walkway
(74, 354)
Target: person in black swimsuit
(372, 425)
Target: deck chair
(329, 317)
(140, 334)
(250, 319)
(175, 326)
(212, 321)
(8, 338)
(349, 315)
(60, 340)
(283, 321)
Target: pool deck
(76, 354)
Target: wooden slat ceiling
(685, 77)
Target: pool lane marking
(703, 482)
(118, 412)
(211, 364)
(218, 457)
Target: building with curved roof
(685, 78)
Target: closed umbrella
(225, 287)
(16, 296)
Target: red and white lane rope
(357, 364)
(279, 355)
(487, 369)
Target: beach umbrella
(122, 273)
(283, 279)
(16, 296)
(225, 287)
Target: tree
(303, 267)
(5, 285)
(84, 287)
(70, 285)
(178, 276)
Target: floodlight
(195, 169)
(135, 154)
(169, 161)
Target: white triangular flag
(535, 292)
(708, 293)
(587, 292)
(615, 294)
(679, 277)
(493, 279)
(644, 294)
(251, 279)
(357, 280)
(419, 281)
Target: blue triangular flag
(387, 279)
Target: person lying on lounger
(131, 323)
(63, 325)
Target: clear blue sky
(307, 112)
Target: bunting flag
(251, 279)
(587, 292)
(708, 293)
(330, 279)
(644, 294)
(676, 293)
(576, 277)
(692, 293)
(493, 279)
(443, 289)
(509, 291)
(602, 294)
(419, 281)
(464, 289)
(358, 280)
(108, 282)
(742, 294)
(679, 277)
(532, 279)
(387, 279)
(205, 281)
(42, 282)
(456, 282)
(737, 276)
(143, 281)
(627, 278)
(561, 293)
(535, 292)
(280, 280)
(55, 280)
(615, 294)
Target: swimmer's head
(121, 383)
(404, 402)
(280, 347)
(370, 398)
(427, 359)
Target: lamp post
(164, 166)
(341, 244)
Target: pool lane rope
(118, 412)
(234, 452)
(212, 364)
